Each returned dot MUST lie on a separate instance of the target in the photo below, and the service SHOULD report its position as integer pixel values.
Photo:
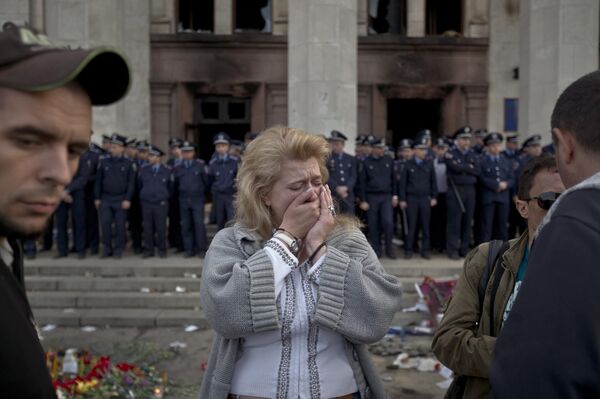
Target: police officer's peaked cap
(481, 132)
(221, 138)
(423, 133)
(405, 143)
(441, 142)
(143, 145)
(492, 138)
(118, 139)
(106, 138)
(360, 139)
(421, 143)
(376, 142)
(536, 139)
(237, 143)
(336, 135)
(464, 132)
(154, 150)
(512, 138)
(175, 142)
(187, 146)
(132, 143)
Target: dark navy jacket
(463, 168)
(342, 172)
(418, 180)
(115, 179)
(85, 170)
(192, 181)
(222, 174)
(492, 173)
(154, 186)
(377, 176)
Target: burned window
(253, 15)
(444, 17)
(196, 16)
(387, 16)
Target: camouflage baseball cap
(30, 62)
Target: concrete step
(131, 284)
(119, 317)
(82, 300)
(111, 269)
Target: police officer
(424, 136)
(512, 147)
(74, 199)
(155, 187)
(511, 152)
(342, 172)
(418, 193)
(377, 187)
(405, 153)
(92, 235)
(222, 171)
(114, 189)
(463, 169)
(497, 178)
(478, 144)
(135, 212)
(175, 237)
(192, 184)
(106, 141)
(439, 212)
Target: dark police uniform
(377, 186)
(155, 187)
(174, 235)
(439, 213)
(463, 171)
(222, 172)
(342, 172)
(92, 234)
(115, 182)
(76, 189)
(495, 204)
(417, 188)
(192, 184)
(134, 215)
(399, 165)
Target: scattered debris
(68, 310)
(49, 327)
(180, 289)
(191, 328)
(88, 328)
(425, 364)
(177, 345)
(190, 275)
(386, 378)
(145, 290)
(421, 306)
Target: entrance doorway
(214, 114)
(408, 116)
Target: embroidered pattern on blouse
(313, 334)
(283, 374)
(277, 247)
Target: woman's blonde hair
(260, 170)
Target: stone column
(223, 17)
(415, 23)
(36, 15)
(322, 66)
(559, 43)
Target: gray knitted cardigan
(356, 298)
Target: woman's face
(295, 177)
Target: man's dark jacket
(550, 346)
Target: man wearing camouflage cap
(46, 98)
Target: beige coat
(463, 342)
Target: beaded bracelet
(311, 257)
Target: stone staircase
(131, 292)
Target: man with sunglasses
(550, 348)
(466, 337)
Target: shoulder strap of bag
(496, 249)
(497, 277)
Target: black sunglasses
(545, 200)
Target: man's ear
(564, 143)
(522, 208)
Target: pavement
(151, 343)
